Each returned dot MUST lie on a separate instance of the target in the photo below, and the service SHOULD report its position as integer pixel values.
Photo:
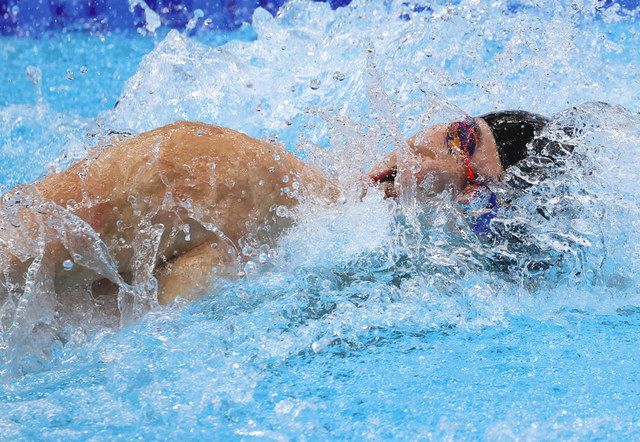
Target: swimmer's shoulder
(184, 139)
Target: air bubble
(314, 84)
(70, 74)
(83, 70)
(339, 76)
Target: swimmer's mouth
(386, 176)
(386, 180)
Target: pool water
(371, 319)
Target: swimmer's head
(443, 156)
(500, 140)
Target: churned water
(371, 319)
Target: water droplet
(83, 70)
(276, 156)
(285, 179)
(132, 199)
(250, 267)
(261, 183)
(72, 205)
(263, 258)
(247, 250)
(69, 74)
(272, 169)
(282, 211)
(187, 232)
(339, 76)
(208, 21)
(67, 264)
(314, 84)
(34, 74)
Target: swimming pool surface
(372, 319)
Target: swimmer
(183, 197)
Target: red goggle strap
(462, 139)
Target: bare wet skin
(157, 212)
(153, 217)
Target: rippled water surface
(371, 319)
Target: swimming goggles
(462, 140)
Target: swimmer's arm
(190, 275)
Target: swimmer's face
(426, 160)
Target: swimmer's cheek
(436, 176)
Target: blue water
(371, 319)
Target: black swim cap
(514, 131)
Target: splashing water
(370, 319)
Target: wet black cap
(514, 132)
